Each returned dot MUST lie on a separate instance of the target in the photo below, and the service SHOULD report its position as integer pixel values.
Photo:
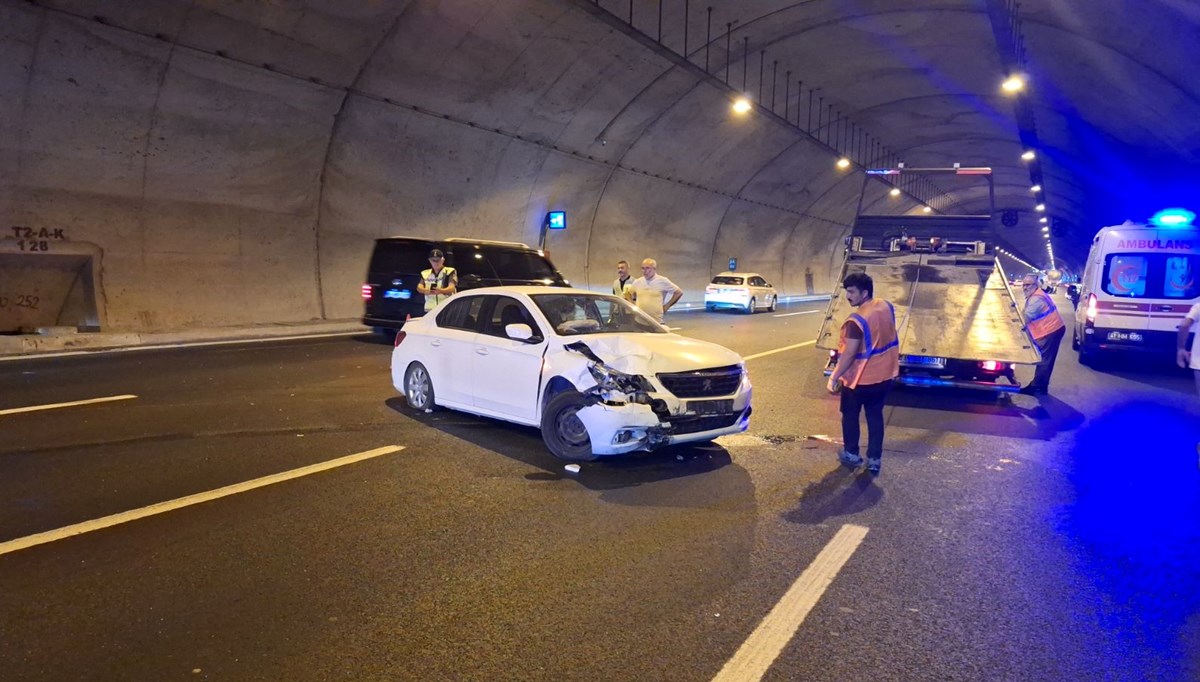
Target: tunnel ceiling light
(1035, 189)
(895, 192)
(843, 162)
(1013, 84)
(1028, 155)
(741, 105)
(1039, 207)
(1043, 219)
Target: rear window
(729, 280)
(395, 257)
(1152, 275)
(516, 264)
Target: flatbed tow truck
(957, 319)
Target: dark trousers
(869, 399)
(1049, 347)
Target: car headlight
(610, 379)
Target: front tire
(418, 387)
(563, 432)
(750, 307)
(774, 304)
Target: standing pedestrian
(1185, 357)
(1046, 327)
(653, 293)
(624, 281)
(868, 361)
(439, 282)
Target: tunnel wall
(232, 164)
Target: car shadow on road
(840, 493)
(524, 444)
(1020, 416)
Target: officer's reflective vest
(441, 280)
(878, 356)
(1046, 323)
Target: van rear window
(1152, 275)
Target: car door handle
(435, 343)
(481, 351)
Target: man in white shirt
(651, 291)
(1184, 356)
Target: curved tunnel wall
(233, 167)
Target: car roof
(530, 290)
(738, 274)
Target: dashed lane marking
(171, 505)
(778, 350)
(802, 312)
(763, 646)
(73, 403)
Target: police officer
(1046, 327)
(868, 361)
(439, 282)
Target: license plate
(923, 361)
(710, 406)
(1128, 337)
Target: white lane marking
(761, 649)
(778, 350)
(73, 403)
(802, 312)
(181, 344)
(171, 505)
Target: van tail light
(399, 338)
(1091, 308)
(367, 292)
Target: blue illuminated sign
(556, 220)
(732, 264)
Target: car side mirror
(521, 332)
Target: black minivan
(390, 292)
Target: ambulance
(1139, 282)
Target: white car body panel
(508, 378)
(738, 296)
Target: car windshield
(727, 280)
(578, 314)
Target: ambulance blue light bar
(1173, 217)
(979, 170)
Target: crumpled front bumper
(619, 428)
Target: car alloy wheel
(751, 306)
(418, 388)
(774, 304)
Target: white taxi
(744, 291)
(594, 373)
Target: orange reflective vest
(1046, 323)
(878, 356)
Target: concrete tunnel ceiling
(226, 162)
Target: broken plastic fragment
(573, 468)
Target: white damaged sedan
(597, 375)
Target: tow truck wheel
(750, 307)
(563, 431)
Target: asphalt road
(1031, 539)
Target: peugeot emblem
(708, 385)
